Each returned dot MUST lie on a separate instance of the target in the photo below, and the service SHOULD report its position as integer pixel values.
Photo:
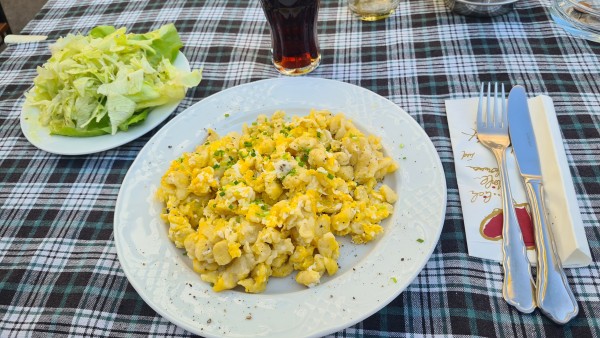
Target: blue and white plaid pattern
(59, 272)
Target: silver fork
(518, 287)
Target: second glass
(372, 10)
(294, 40)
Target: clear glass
(294, 42)
(580, 18)
(372, 10)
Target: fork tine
(497, 121)
(504, 110)
(488, 113)
(479, 109)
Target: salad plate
(370, 276)
(40, 136)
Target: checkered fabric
(59, 272)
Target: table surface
(59, 271)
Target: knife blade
(553, 294)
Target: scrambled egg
(271, 200)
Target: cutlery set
(501, 125)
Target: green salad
(108, 80)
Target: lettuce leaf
(107, 81)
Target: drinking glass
(372, 10)
(294, 43)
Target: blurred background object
(580, 18)
(480, 8)
(4, 27)
(373, 10)
(19, 12)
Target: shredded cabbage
(108, 80)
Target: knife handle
(554, 296)
(518, 286)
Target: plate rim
(334, 328)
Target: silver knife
(553, 294)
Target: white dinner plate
(370, 276)
(40, 136)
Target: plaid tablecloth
(59, 272)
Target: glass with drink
(372, 10)
(293, 34)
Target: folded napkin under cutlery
(478, 183)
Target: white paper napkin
(478, 184)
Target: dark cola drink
(294, 34)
